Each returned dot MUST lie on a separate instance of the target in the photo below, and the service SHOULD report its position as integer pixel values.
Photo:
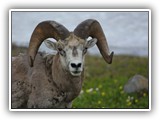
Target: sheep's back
(20, 85)
(34, 87)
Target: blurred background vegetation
(103, 83)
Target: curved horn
(44, 30)
(93, 29)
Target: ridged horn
(44, 30)
(92, 28)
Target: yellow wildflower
(144, 94)
(103, 93)
(129, 103)
(99, 102)
(89, 90)
(136, 100)
(120, 87)
(99, 86)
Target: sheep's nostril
(79, 65)
(76, 65)
(73, 65)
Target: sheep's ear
(51, 45)
(91, 43)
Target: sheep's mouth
(76, 73)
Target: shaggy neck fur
(70, 85)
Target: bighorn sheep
(48, 81)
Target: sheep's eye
(84, 50)
(62, 52)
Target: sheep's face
(72, 52)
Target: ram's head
(71, 46)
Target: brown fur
(74, 53)
(46, 85)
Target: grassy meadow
(103, 83)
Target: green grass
(103, 83)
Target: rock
(136, 84)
